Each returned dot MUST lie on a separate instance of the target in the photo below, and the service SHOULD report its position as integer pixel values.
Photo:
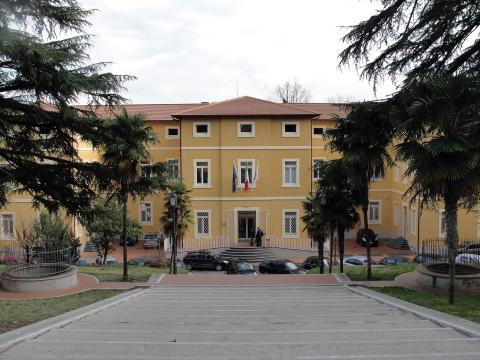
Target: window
(290, 222)
(145, 213)
(201, 129)
(202, 173)
(315, 169)
(290, 172)
(246, 129)
(202, 228)
(396, 173)
(396, 214)
(172, 132)
(442, 224)
(374, 212)
(146, 168)
(173, 168)
(246, 167)
(413, 222)
(7, 226)
(404, 177)
(318, 132)
(290, 129)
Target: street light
(323, 202)
(173, 204)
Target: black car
(204, 260)
(279, 267)
(130, 241)
(312, 262)
(239, 267)
(362, 236)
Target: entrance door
(246, 224)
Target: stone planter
(437, 280)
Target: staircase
(399, 243)
(250, 254)
(89, 247)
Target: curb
(11, 338)
(466, 327)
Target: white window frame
(151, 213)
(316, 136)
(396, 173)
(2, 232)
(196, 134)
(313, 165)
(145, 165)
(167, 136)
(209, 218)
(209, 169)
(379, 220)
(441, 233)
(290, 235)
(396, 214)
(178, 160)
(239, 175)
(288, 134)
(239, 125)
(413, 220)
(297, 184)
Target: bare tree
(293, 92)
(26, 238)
(342, 99)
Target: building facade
(220, 149)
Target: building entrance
(246, 225)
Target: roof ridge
(211, 104)
(297, 108)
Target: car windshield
(245, 266)
(150, 236)
(291, 266)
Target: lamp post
(173, 204)
(323, 202)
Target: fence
(37, 262)
(291, 243)
(434, 255)
(203, 243)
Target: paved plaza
(248, 323)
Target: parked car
(204, 260)
(473, 248)
(312, 262)
(239, 267)
(130, 241)
(279, 267)
(394, 260)
(109, 261)
(425, 259)
(8, 260)
(81, 262)
(468, 259)
(355, 260)
(153, 240)
(139, 261)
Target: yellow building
(273, 145)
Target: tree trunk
(341, 245)
(365, 223)
(124, 239)
(451, 208)
(331, 249)
(320, 253)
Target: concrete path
(241, 322)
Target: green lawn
(389, 272)
(115, 272)
(466, 306)
(18, 313)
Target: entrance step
(253, 254)
(399, 243)
(89, 247)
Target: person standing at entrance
(258, 237)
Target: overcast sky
(196, 50)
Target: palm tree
(125, 148)
(363, 138)
(316, 222)
(337, 187)
(437, 117)
(183, 216)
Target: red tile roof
(325, 110)
(244, 106)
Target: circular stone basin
(463, 281)
(39, 277)
(460, 269)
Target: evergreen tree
(416, 37)
(44, 69)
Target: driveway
(249, 323)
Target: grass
(17, 313)
(466, 306)
(115, 272)
(357, 273)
